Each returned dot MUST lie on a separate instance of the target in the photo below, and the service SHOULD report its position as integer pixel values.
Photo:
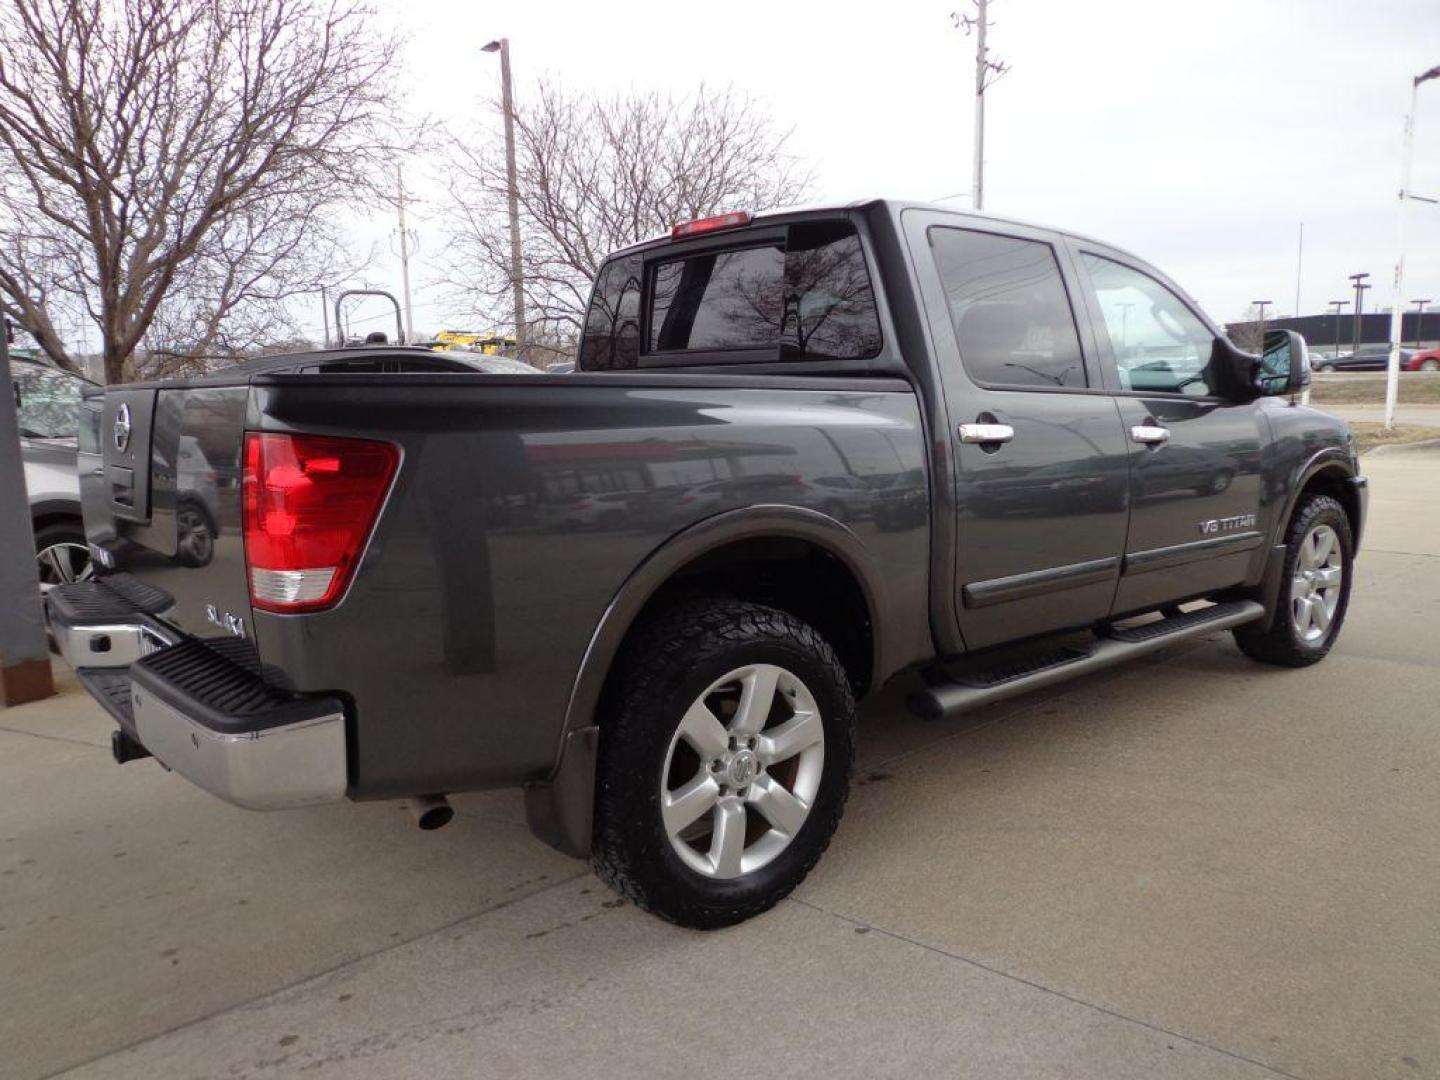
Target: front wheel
(1430, 365)
(725, 757)
(1314, 590)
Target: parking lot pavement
(1193, 866)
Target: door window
(1160, 345)
(1010, 310)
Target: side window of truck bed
(1010, 309)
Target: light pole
(1419, 320)
(1337, 305)
(1262, 305)
(1392, 373)
(1358, 284)
(517, 277)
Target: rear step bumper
(200, 712)
(107, 623)
(1118, 645)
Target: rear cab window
(796, 293)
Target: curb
(1424, 446)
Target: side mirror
(1284, 366)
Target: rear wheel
(1430, 365)
(724, 762)
(1314, 590)
(62, 555)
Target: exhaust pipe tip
(431, 812)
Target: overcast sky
(1198, 135)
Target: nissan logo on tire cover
(122, 427)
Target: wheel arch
(1327, 472)
(560, 808)
(47, 512)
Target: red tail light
(711, 224)
(309, 503)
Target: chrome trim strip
(1142, 562)
(979, 594)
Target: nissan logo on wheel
(122, 427)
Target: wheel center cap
(741, 769)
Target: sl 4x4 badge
(1228, 524)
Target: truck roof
(893, 205)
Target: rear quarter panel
(460, 639)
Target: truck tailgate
(160, 480)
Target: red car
(1429, 360)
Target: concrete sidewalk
(1193, 867)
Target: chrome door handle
(1149, 434)
(986, 433)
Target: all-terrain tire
(668, 664)
(1279, 642)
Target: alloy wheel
(742, 771)
(62, 564)
(1317, 584)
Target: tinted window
(611, 338)
(1160, 345)
(48, 402)
(1009, 307)
(811, 300)
(720, 300)
(832, 312)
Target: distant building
(1322, 332)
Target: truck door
(1040, 491)
(1195, 481)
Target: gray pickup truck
(802, 452)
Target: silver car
(47, 402)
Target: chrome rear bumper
(198, 707)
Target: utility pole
(24, 652)
(325, 312)
(1337, 305)
(987, 71)
(517, 278)
(1392, 373)
(1359, 287)
(404, 254)
(1419, 320)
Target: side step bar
(1118, 645)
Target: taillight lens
(309, 503)
(700, 226)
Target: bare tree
(596, 174)
(1246, 334)
(169, 166)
